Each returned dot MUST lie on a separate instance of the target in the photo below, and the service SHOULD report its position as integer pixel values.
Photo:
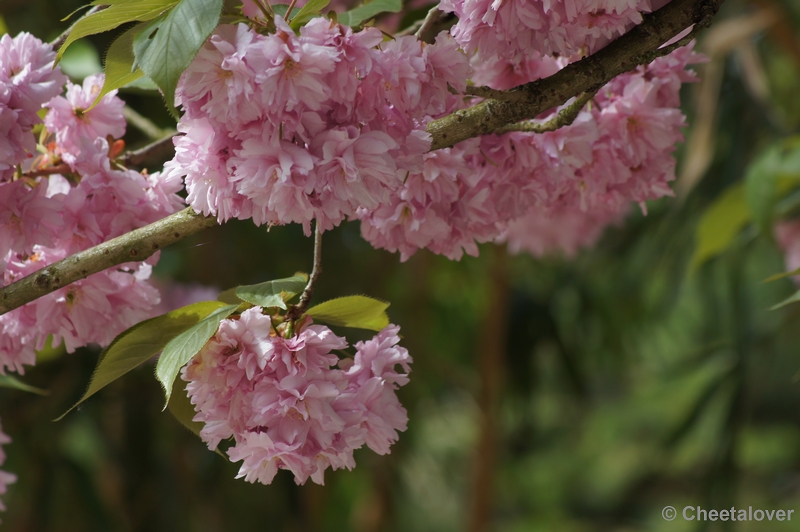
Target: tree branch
(565, 117)
(639, 46)
(151, 156)
(134, 246)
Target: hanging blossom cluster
(45, 218)
(291, 403)
(284, 128)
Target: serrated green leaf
(119, 69)
(720, 224)
(119, 12)
(791, 299)
(168, 45)
(138, 344)
(180, 350)
(360, 312)
(358, 15)
(272, 293)
(7, 381)
(308, 11)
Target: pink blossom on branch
(284, 402)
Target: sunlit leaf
(119, 63)
(184, 346)
(136, 345)
(360, 312)
(119, 12)
(8, 381)
(358, 15)
(312, 8)
(720, 224)
(272, 293)
(167, 45)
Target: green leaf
(183, 410)
(7, 381)
(184, 346)
(273, 293)
(281, 9)
(119, 12)
(360, 312)
(358, 15)
(139, 343)
(791, 299)
(720, 224)
(167, 45)
(308, 11)
(119, 63)
(768, 179)
(782, 275)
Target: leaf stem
(297, 310)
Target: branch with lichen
(564, 117)
(137, 245)
(641, 45)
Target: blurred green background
(546, 394)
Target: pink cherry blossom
(284, 402)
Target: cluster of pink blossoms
(513, 29)
(330, 125)
(533, 189)
(284, 128)
(285, 404)
(45, 218)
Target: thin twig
(135, 246)
(59, 41)
(297, 310)
(145, 125)
(62, 168)
(151, 156)
(411, 29)
(435, 22)
(564, 117)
